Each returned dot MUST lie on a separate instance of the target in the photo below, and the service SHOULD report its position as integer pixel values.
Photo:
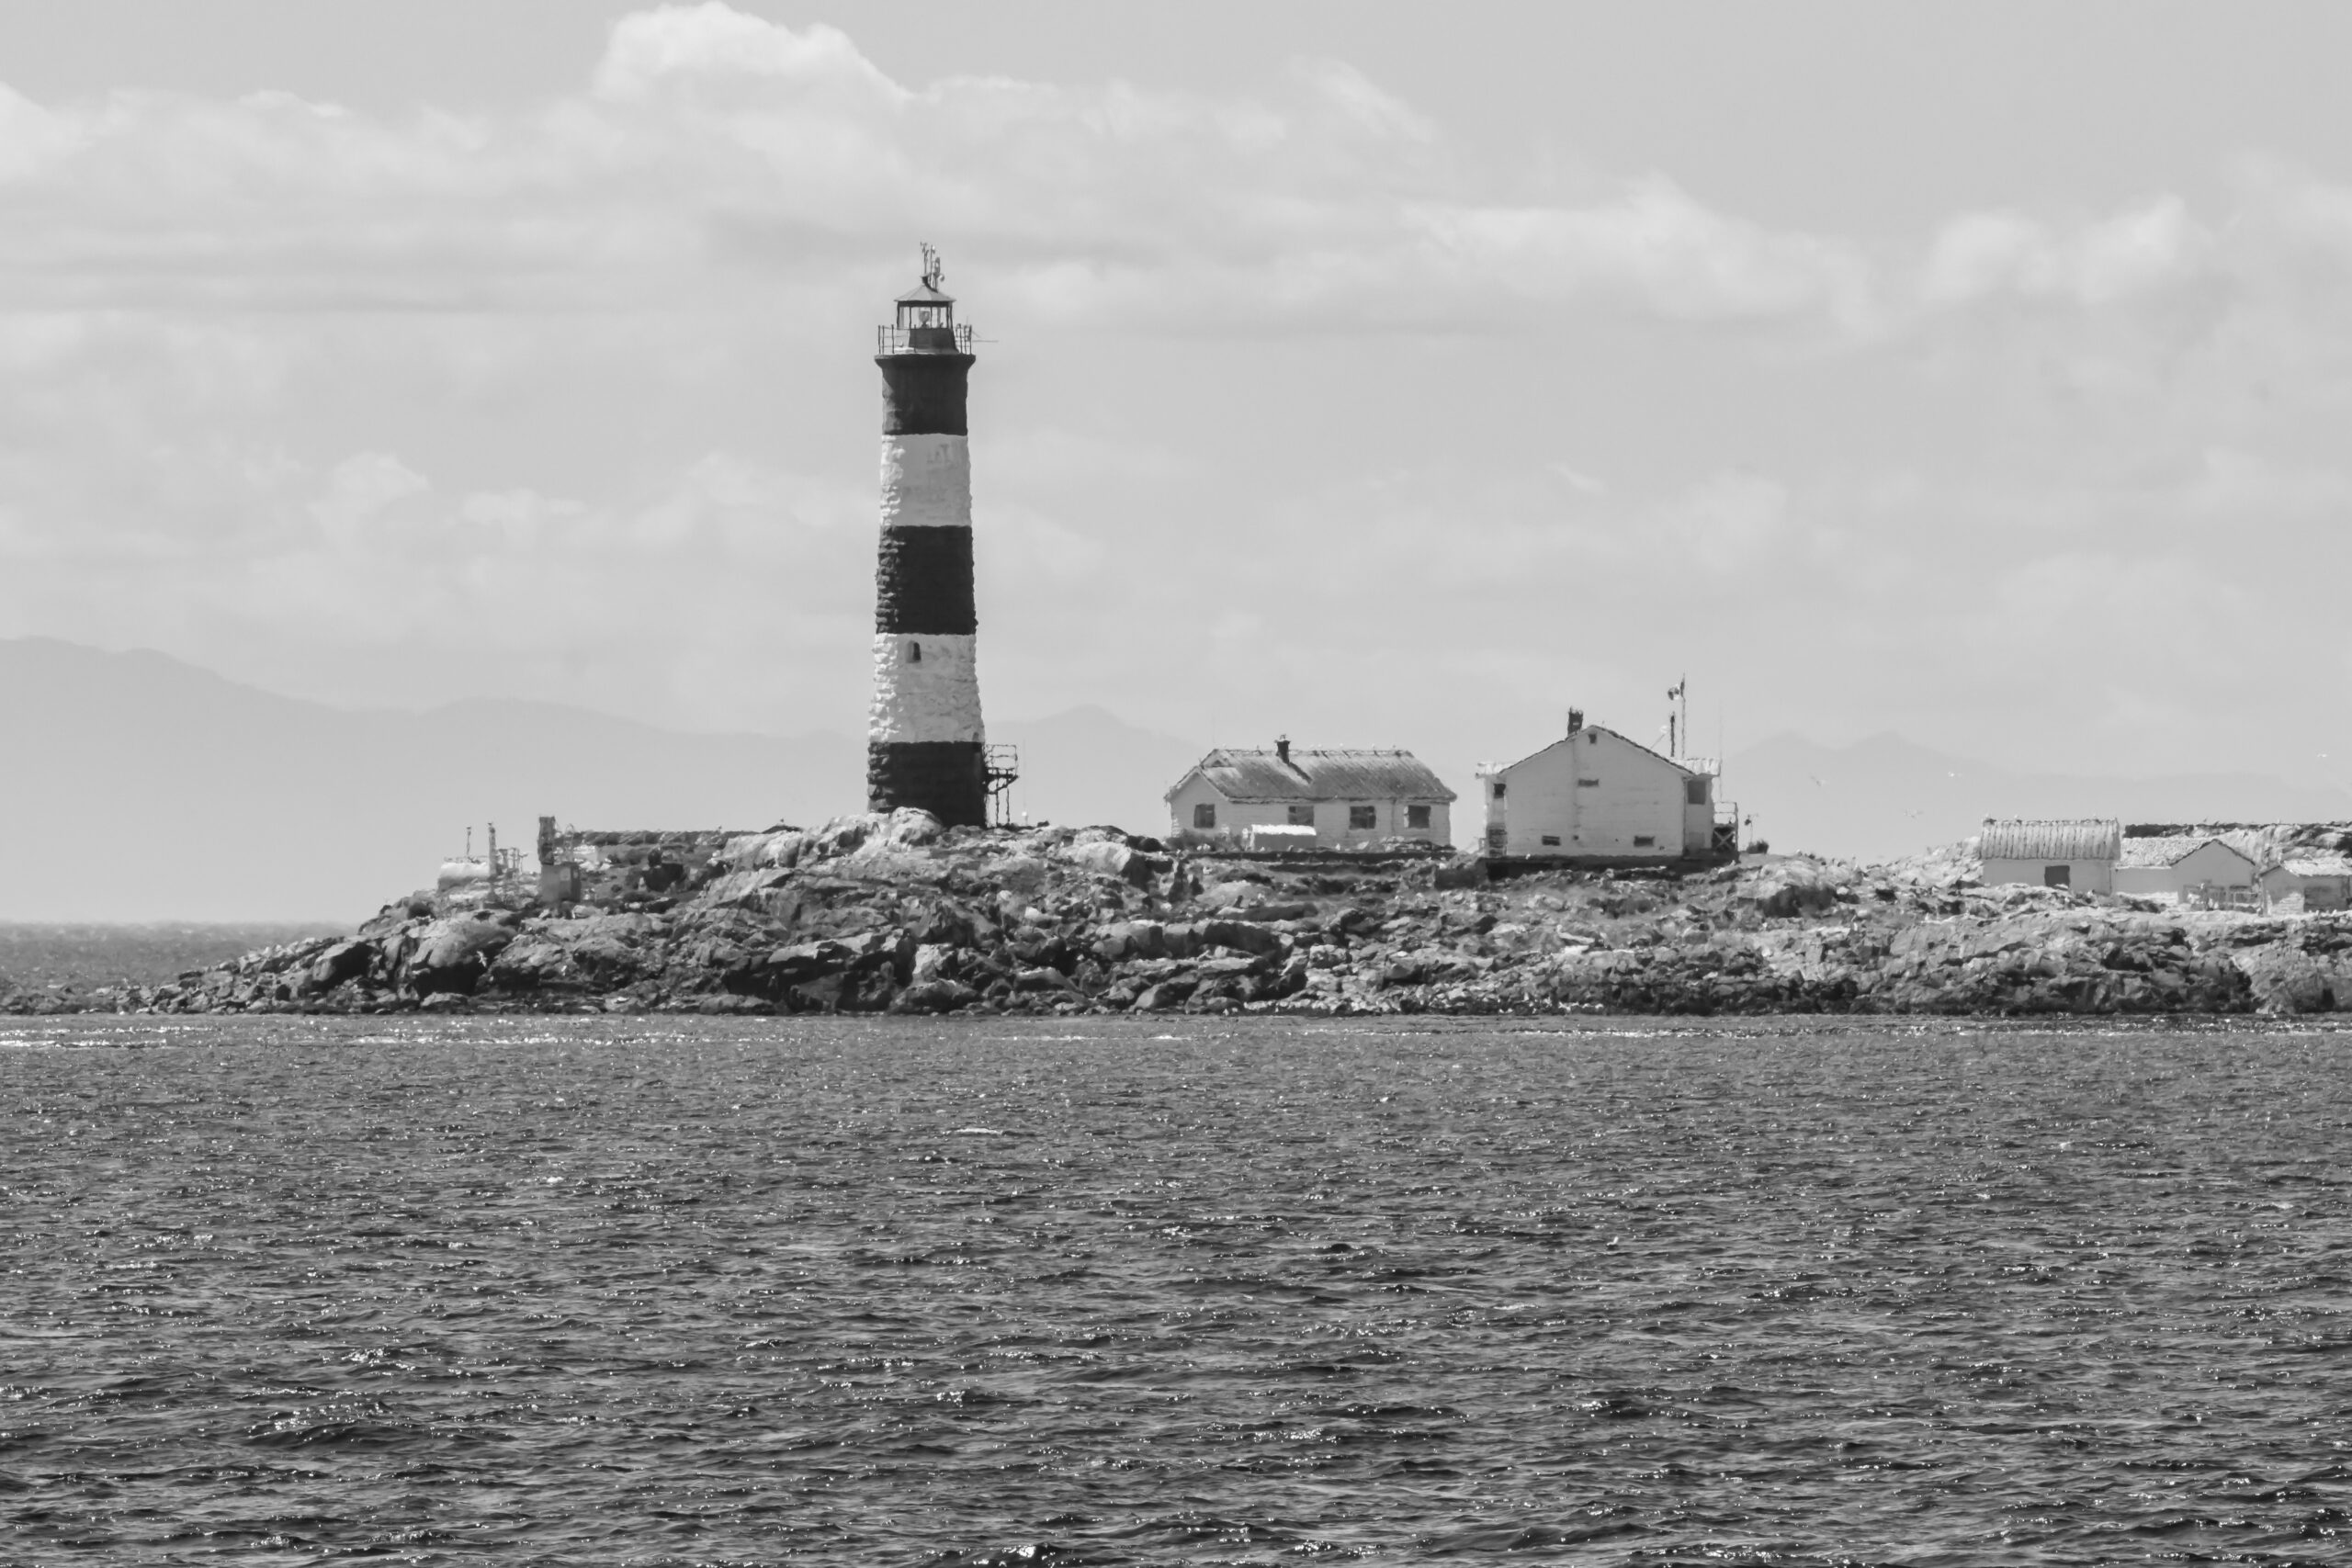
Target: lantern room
(926, 318)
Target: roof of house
(2029, 838)
(2160, 848)
(1599, 729)
(1317, 776)
(2318, 863)
(2171, 848)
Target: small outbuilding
(2076, 853)
(2308, 882)
(2201, 869)
(1593, 795)
(1329, 799)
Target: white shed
(2199, 868)
(1338, 797)
(1594, 794)
(2076, 852)
(2308, 882)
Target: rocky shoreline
(892, 914)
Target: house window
(1588, 783)
(1498, 789)
(1303, 815)
(1417, 817)
(1362, 819)
(1644, 841)
(914, 653)
(2057, 876)
(1205, 815)
(1553, 840)
(1694, 792)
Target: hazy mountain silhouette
(141, 787)
(1886, 796)
(144, 788)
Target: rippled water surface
(779, 1290)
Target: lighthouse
(925, 746)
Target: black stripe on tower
(947, 778)
(923, 582)
(922, 394)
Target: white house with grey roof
(1292, 796)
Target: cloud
(1983, 254)
(678, 45)
(359, 489)
(572, 400)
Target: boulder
(453, 954)
(1788, 887)
(533, 960)
(934, 996)
(1245, 936)
(1462, 870)
(2285, 979)
(1163, 996)
(344, 961)
(1103, 857)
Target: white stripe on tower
(926, 687)
(926, 482)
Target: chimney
(1282, 749)
(1576, 720)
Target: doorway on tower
(1003, 766)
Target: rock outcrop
(894, 914)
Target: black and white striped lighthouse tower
(924, 745)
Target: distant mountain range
(139, 787)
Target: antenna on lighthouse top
(931, 271)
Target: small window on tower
(1362, 818)
(1205, 815)
(914, 653)
(1694, 792)
(1498, 789)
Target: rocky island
(892, 913)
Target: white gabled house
(1292, 798)
(1593, 795)
(2206, 869)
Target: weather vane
(931, 273)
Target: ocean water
(1192, 1292)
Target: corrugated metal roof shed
(2019, 837)
(1319, 775)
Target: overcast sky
(1382, 375)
